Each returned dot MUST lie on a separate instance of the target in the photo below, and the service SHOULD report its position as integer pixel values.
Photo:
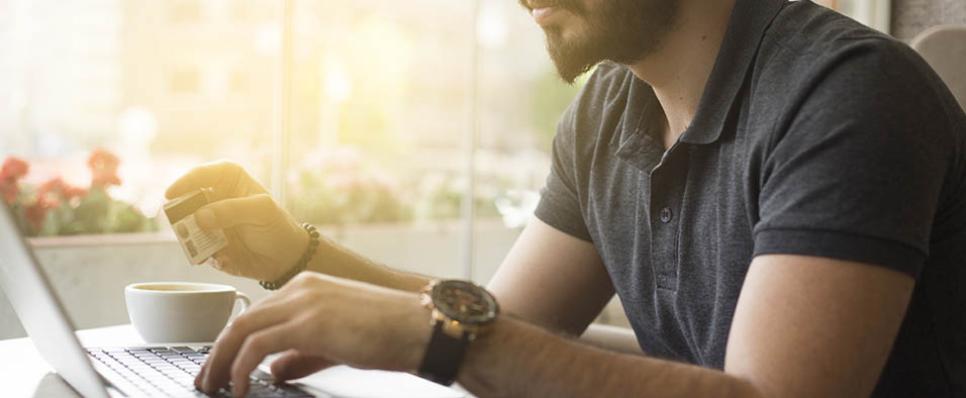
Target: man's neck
(680, 69)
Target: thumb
(249, 210)
(294, 365)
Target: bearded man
(776, 193)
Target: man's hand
(319, 320)
(264, 241)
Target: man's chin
(570, 68)
(572, 57)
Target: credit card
(198, 244)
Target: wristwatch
(461, 311)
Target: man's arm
(548, 278)
(804, 326)
(553, 280)
(536, 282)
(542, 270)
(559, 282)
(336, 260)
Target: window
(394, 113)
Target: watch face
(464, 302)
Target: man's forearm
(337, 260)
(518, 359)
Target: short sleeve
(559, 204)
(857, 173)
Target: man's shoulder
(822, 77)
(814, 56)
(804, 27)
(807, 42)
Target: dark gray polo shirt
(815, 136)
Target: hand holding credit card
(198, 244)
(264, 240)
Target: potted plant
(56, 208)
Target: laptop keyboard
(170, 372)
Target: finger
(250, 210)
(271, 312)
(204, 176)
(201, 375)
(219, 261)
(294, 365)
(256, 347)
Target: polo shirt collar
(746, 29)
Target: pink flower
(103, 165)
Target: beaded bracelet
(301, 265)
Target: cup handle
(245, 301)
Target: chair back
(944, 48)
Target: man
(777, 195)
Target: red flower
(103, 166)
(58, 187)
(14, 169)
(71, 192)
(36, 213)
(55, 185)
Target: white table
(23, 373)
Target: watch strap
(444, 355)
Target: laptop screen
(40, 311)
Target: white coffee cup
(167, 312)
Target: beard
(622, 31)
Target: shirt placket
(667, 188)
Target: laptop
(151, 370)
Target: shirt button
(666, 215)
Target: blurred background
(363, 111)
(417, 132)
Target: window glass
(380, 99)
(380, 110)
(160, 86)
(388, 105)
